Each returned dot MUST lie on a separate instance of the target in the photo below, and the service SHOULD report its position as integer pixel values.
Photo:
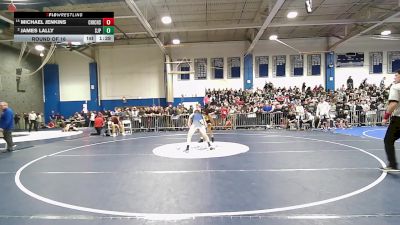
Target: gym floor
(253, 177)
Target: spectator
(350, 83)
(32, 121)
(39, 121)
(7, 125)
(17, 118)
(92, 118)
(322, 113)
(382, 84)
(26, 121)
(98, 124)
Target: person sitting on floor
(70, 127)
(291, 119)
(51, 124)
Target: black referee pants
(392, 134)
(7, 135)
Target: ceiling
(228, 20)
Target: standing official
(7, 125)
(32, 121)
(393, 131)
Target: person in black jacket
(350, 83)
(16, 120)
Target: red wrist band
(387, 115)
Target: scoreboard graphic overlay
(83, 27)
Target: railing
(257, 120)
(368, 118)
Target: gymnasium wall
(32, 98)
(133, 72)
(272, 48)
(196, 88)
(193, 88)
(74, 76)
(366, 45)
(136, 72)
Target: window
(234, 67)
(184, 67)
(297, 65)
(279, 68)
(200, 69)
(375, 62)
(262, 66)
(314, 64)
(393, 61)
(217, 68)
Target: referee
(393, 131)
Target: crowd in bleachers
(295, 106)
(305, 103)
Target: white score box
(89, 38)
(104, 38)
(48, 38)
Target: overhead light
(273, 37)
(75, 43)
(41, 54)
(166, 20)
(386, 32)
(39, 48)
(309, 6)
(176, 41)
(292, 15)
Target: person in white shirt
(32, 121)
(322, 113)
(299, 109)
(92, 117)
(392, 132)
(39, 120)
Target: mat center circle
(200, 150)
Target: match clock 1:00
(105, 38)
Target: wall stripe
(188, 99)
(330, 71)
(51, 81)
(111, 104)
(94, 88)
(69, 108)
(248, 72)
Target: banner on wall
(297, 65)
(375, 62)
(393, 61)
(218, 68)
(200, 68)
(261, 68)
(184, 67)
(351, 59)
(234, 67)
(314, 64)
(279, 68)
